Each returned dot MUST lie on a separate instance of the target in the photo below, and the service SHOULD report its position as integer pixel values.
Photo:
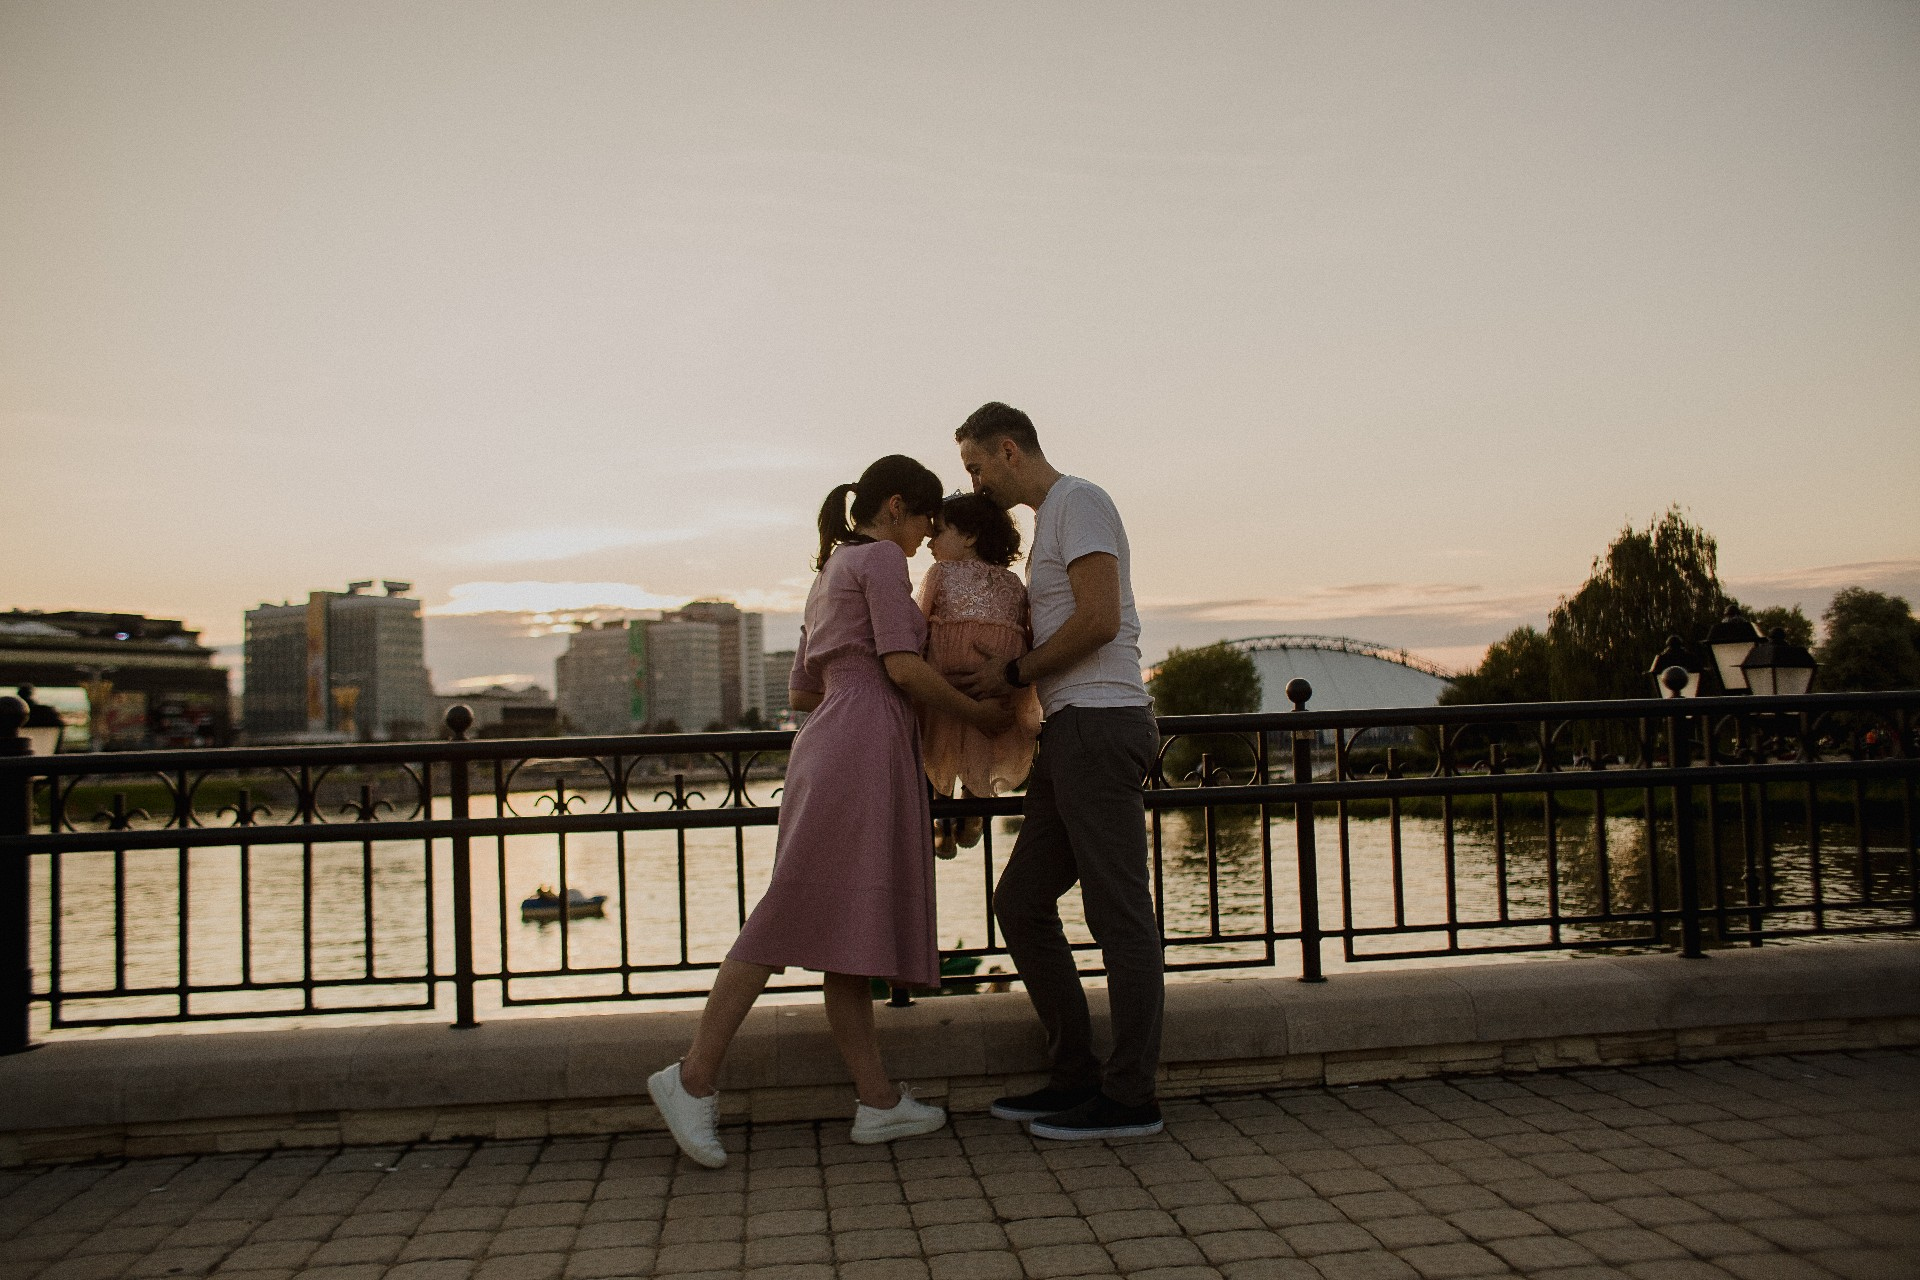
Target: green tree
(1215, 679)
(1515, 669)
(1873, 642)
(1797, 625)
(1651, 583)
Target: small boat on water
(545, 904)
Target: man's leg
(1027, 904)
(1097, 774)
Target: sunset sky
(1375, 319)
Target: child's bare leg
(969, 827)
(735, 988)
(850, 1016)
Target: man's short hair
(993, 421)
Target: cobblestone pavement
(1767, 1169)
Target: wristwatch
(1013, 674)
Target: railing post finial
(13, 717)
(1299, 692)
(459, 720)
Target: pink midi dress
(976, 612)
(852, 886)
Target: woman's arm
(915, 677)
(804, 699)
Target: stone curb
(224, 1090)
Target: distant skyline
(1376, 319)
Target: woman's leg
(735, 988)
(850, 1015)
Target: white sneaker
(694, 1122)
(907, 1118)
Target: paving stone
(776, 1251)
(1222, 1247)
(1620, 1245)
(994, 1264)
(1147, 1253)
(1446, 1261)
(442, 1269)
(884, 1269)
(1373, 1264)
(872, 1217)
(519, 1266)
(1676, 1269)
(1715, 1239)
(1327, 1237)
(605, 1264)
(963, 1237)
(1049, 1261)
(350, 1249)
(1800, 1235)
(704, 1256)
(1112, 1199)
(1271, 1269)
(854, 1246)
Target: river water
(327, 900)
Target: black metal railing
(376, 879)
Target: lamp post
(1778, 666)
(1730, 641)
(44, 725)
(1681, 656)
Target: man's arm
(1095, 579)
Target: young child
(976, 609)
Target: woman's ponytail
(834, 528)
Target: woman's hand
(991, 716)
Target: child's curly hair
(995, 538)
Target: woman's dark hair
(995, 537)
(894, 475)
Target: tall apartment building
(743, 683)
(778, 666)
(600, 682)
(686, 679)
(345, 664)
(623, 677)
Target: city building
(644, 674)
(778, 666)
(342, 666)
(743, 685)
(600, 682)
(500, 711)
(685, 677)
(119, 680)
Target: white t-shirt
(1077, 518)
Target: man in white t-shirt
(1085, 814)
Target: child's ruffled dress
(975, 612)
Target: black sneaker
(1041, 1102)
(1100, 1117)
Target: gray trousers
(1086, 821)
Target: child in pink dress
(976, 610)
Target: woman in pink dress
(852, 887)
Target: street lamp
(44, 725)
(1730, 641)
(1681, 655)
(1778, 666)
